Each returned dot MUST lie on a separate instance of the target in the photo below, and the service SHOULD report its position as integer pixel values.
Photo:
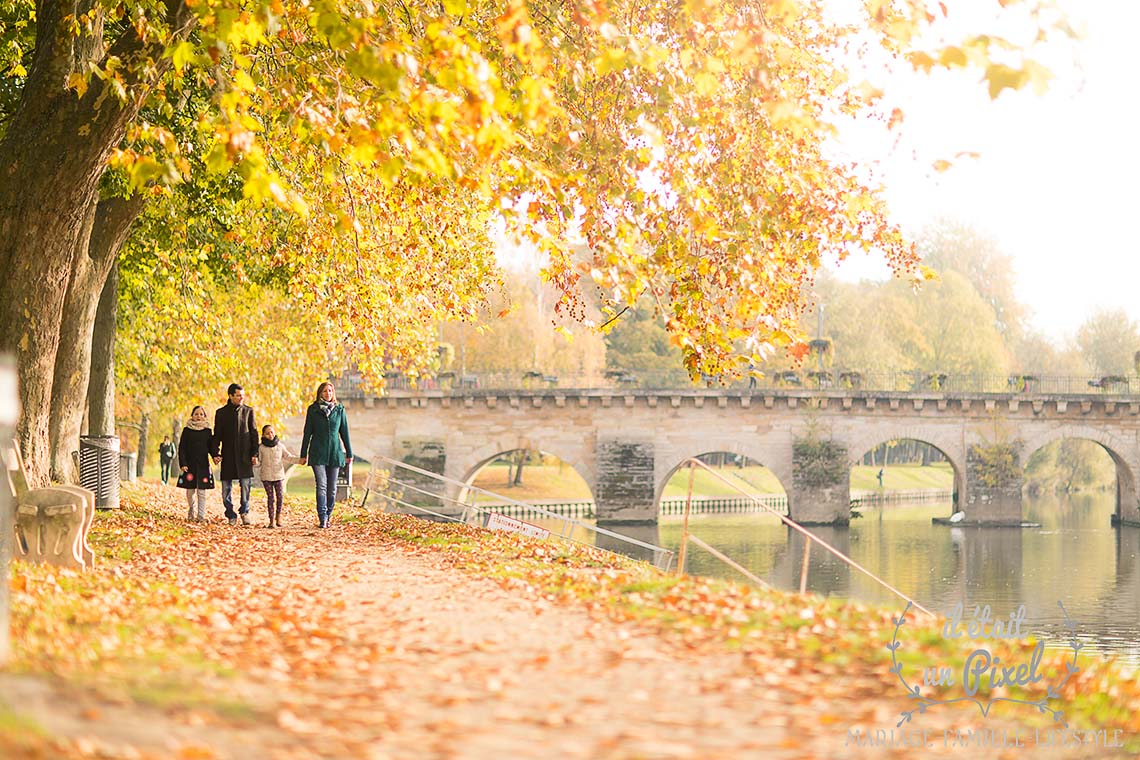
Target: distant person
(166, 454)
(272, 457)
(194, 446)
(235, 449)
(326, 427)
(880, 477)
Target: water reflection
(1076, 557)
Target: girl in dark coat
(194, 462)
(326, 426)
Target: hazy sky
(1055, 183)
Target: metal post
(804, 566)
(9, 413)
(685, 524)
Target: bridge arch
(1127, 502)
(490, 451)
(948, 444)
(943, 443)
(750, 454)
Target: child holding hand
(272, 457)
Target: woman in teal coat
(326, 426)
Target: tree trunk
(519, 468)
(52, 155)
(109, 226)
(69, 376)
(101, 390)
(144, 426)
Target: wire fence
(354, 386)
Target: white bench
(51, 523)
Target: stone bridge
(627, 444)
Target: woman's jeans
(325, 475)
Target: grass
(539, 482)
(549, 482)
(180, 694)
(903, 477)
(15, 724)
(753, 479)
(21, 736)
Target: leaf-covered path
(350, 643)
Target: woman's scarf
(326, 407)
(197, 424)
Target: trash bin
(9, 412)
(99, 468)
(344, 484)
(127, 461)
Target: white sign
(511, 525)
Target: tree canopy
(372, 142)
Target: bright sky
(1056, 180)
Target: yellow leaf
(77, 82)
(1002, 77)
(706, 83)
(953, 56)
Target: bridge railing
(686, 537)
(354, 386)
(400, 480)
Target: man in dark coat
(166, 454)
(234, 447)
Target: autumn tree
(1108, 340)
(949, 245)
(683, 144)
(519, 334)
(947, 327)
(639, 342)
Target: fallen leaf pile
(384, 637)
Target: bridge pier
(1127, 500)
(994, 478)
(624, 492)
(821, 483)
(426, 454)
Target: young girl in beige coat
(272, 459)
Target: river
(1076, 557)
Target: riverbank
(390, 637)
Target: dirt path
(386, 653)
